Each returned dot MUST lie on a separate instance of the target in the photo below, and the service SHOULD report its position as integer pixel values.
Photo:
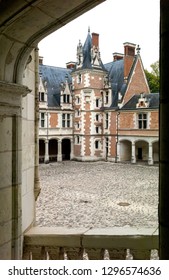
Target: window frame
(142, 120)
(42, 119)
(66, 120)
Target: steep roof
(87, 53)
(54, 76)
(116, 77)
(87, 57)
(153, 99)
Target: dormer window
(143, 102)
(41, 96)
(66, 98)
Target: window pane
(144, 124)
(140, 124)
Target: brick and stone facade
(90, 111)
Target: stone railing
(94, 244)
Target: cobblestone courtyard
(100, 194)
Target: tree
(153, 77)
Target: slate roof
(54, 76)
(87, 59)
(116, 77)
(153, 99)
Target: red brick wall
(95, 39)
(137, 83)
(87, 146)
(126, 120)
(154, 120)
(53, 120)
(112, 150)
(128, 61)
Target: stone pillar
(46, 151)
(118, 152)
(36, 179)
(133, 153)
(11, 170)
(150, 154)
(59, 157)
(164, 132)
(72, 149)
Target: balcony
(116, 243)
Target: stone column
(36, 179)
(72, 149)
(118, 152)
(150, 154)
(46, 151)
(11, 170)
(59, 157)
(133, 153)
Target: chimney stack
(129, 55)
(117, 56)
(129, 49)
(95, 40)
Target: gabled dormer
(42, 93)
(66, 95)
(143, 101)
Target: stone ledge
(126, 237)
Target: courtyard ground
(99, 194)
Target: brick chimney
(129, 55)
(95, 40)
(117, 56)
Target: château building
(93, 111)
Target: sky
(116, 22)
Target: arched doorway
(41, 150)
(125, 150)
(53, 149)
(66, 149)
(141, 151)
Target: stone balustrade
(116, 243)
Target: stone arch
(25, 23)
(66, 149)
(22, 25)
(41, 150)
(53, 149)
(125, 150)
(141, 150)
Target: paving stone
(97, 194)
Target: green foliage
(153, 77)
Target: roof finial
(138, 49)
(89, 29)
